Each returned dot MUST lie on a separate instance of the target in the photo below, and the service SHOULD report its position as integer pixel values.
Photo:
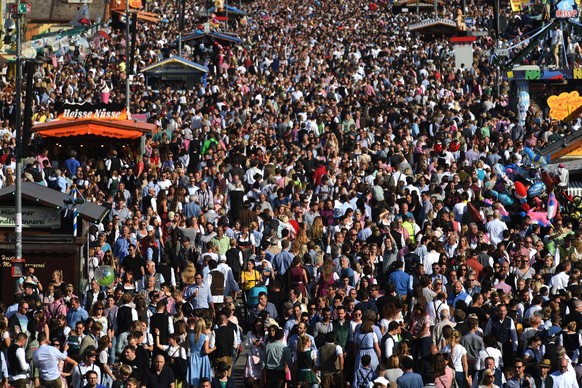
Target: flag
(82, 13)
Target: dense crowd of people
(326, 204)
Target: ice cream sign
(564, 106)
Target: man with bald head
(495, 228)
(160, 375)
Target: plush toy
(536, 190)
(540, 218)
(504, 198)
(553, 207)
(534, 159)
(504, 213)
(461, 21)
(219, 4)
(214, 23)
(521, 192)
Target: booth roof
(185, 67)
(53, 198)
(120, 129)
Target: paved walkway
(238, 372)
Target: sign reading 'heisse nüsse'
(93, 111)
(32, 217)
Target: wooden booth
(48, 241)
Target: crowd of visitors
(324, 204)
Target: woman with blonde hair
(302, 240)
(569, 338)
(459, 359)
(188, 274)
(199, 350)
(393, 371)
(327, 278)
(317, 233)
(487, 381)
(549, 268)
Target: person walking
(46, 360)
(277, 358)
(18, 367)
(199, 352)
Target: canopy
(220, 36)
(55, 199)
(119, 129)
(230, 9)
(174, 66)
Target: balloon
(520, 191)
(535, 159)
(503, 198)
(502, 211)
(540, 218)
(499, 170)
(553, 206)
(536, 189)
(104, 275)
(474, 213)
(515, 169)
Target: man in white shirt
(392, 339)
(78, 372)
(16, 359)
(565, 377)
(560, 280)
(495, 228)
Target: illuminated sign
(93, 111)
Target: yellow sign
(519, 5)
(563, 105)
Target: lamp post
(127, 50)
(498, 46)
(18, 148)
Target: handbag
(178, 365)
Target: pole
(17, 150)
(498, 45)
(181, 7)
(127, 49)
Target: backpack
(74, 346)
(364, 383)
(53, 183)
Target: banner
(32, 217)
(88, 111)
(562, 106)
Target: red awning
(119, 129)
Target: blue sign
(566, 9)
